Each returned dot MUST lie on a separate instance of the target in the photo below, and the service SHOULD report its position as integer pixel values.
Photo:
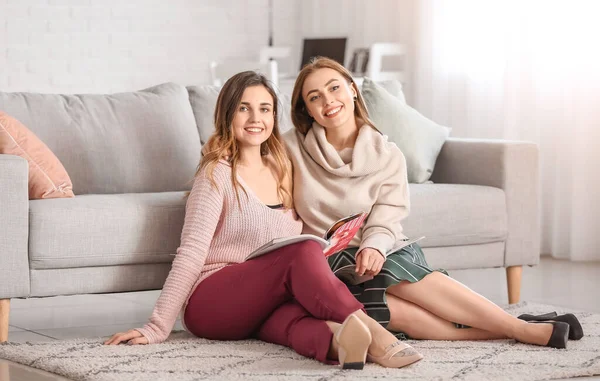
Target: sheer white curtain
(529, 70)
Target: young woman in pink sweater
(240, 200)
(344, 165)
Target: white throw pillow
(419, 138)
(393, 87)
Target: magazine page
(342, 232)
(280, 242)
(336, 225)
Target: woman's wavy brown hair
(300, 117)
(223, 146)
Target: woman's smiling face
(254, 118)
(329, 98)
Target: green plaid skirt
(407, 264)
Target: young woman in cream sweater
(240, 200)
(344, 165)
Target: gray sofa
(132, 156)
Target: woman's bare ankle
(538, 334)
(369, 321)
(332, 354)
(382, 338)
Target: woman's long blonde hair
(300, 117)
(223, 146)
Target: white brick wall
(75, 46)
(72, 46)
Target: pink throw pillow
(47, 176)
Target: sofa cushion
(484, 255)
(453, 215)
(105, 230)
(143, 141)
(47, 176)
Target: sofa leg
(513, 280)
(4, 370)
(4, 310)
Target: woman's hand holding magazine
(337, 237)
(350, 275)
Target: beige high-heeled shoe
(353, 339)
(396, 355)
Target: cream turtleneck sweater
(327, 189)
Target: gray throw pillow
(203, 100)
(419, 138)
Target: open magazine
(336, 238)
(348, 273)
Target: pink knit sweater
(216, 233)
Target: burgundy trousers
(283, 297)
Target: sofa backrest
(143, 141)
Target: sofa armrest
(14, 227)
(508, 165)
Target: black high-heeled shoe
(529, 317)
(575, 331)
(560, 334)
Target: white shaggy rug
(184, 357)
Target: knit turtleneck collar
(371, 152)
